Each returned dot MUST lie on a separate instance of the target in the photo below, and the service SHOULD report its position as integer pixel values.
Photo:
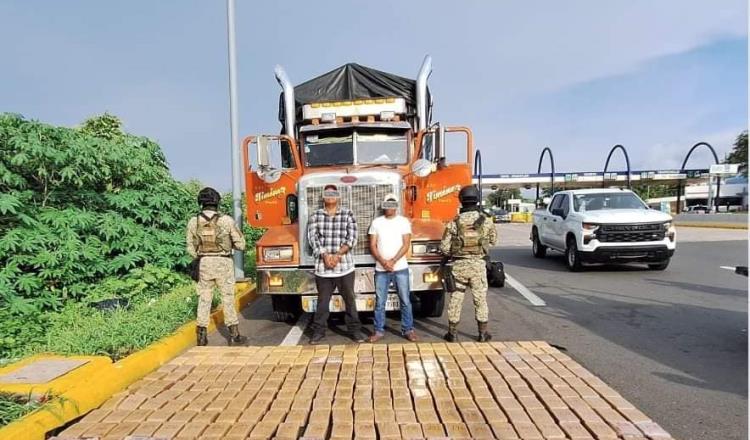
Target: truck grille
(363, 200)
(630, 233)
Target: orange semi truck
(370, 133)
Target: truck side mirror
(263, 151)
(440, 141)
(558, 212)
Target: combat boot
(201, 335)
(452, 335)
(484, 335)
(235, 338)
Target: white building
(733, 197)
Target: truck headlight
(590, 227)
(281, 253)
(666, 225)
(425, 248)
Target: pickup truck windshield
(597, 202)
(355, 147)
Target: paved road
(674, 343)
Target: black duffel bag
(495, 274)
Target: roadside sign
(724, 169)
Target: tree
(499, 197)
(739, 153)
(105, 126)
(646, 190)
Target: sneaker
(411, 335)
(375, 337)
(316, 338)
(358, 336)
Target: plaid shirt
(326, 234)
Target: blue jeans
(382, 281)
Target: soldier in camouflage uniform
(211, 237)
(466, 240)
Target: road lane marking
(295, 333)
(526, 293)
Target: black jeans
(345, 285)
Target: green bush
(87, 214)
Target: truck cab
(369, 140)
(603, 226)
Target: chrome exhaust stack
(422, 104)
(290, 115)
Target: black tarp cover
(353, 81)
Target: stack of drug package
(505, 390)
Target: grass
(15, 406)
(81, 330)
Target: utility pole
(239, 256)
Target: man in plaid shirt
(332, 234)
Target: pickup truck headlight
(425, 248)
(281, 253)
(670, 232)
(590, 227)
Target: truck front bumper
(623, 254)
(301, 281)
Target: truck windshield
(325, 150)
(376, 148)
(597, 202)
(371, 148)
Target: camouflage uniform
(469, 267)
(216, 268)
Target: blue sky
(578, 76)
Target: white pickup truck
(603, 226)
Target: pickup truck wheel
(286, 308)
(659, 266)
(572, 257)
(431, 304)
(537, 248)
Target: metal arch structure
(682, 168)
(609, 156)
(552, 173)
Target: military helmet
(469, 195)
(209, 197)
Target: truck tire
(286, 308)
(537, 248)
(660, 265)
(431, 303)
(572, 256)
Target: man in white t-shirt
(390, 238)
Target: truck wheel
(572, 256)
(537, 248)
(431, 303)
(286, 308)
(659, 266)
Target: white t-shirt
(390, 233)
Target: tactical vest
(470, 238)
(211, 238)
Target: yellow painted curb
(712, 225)
(92, 389)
